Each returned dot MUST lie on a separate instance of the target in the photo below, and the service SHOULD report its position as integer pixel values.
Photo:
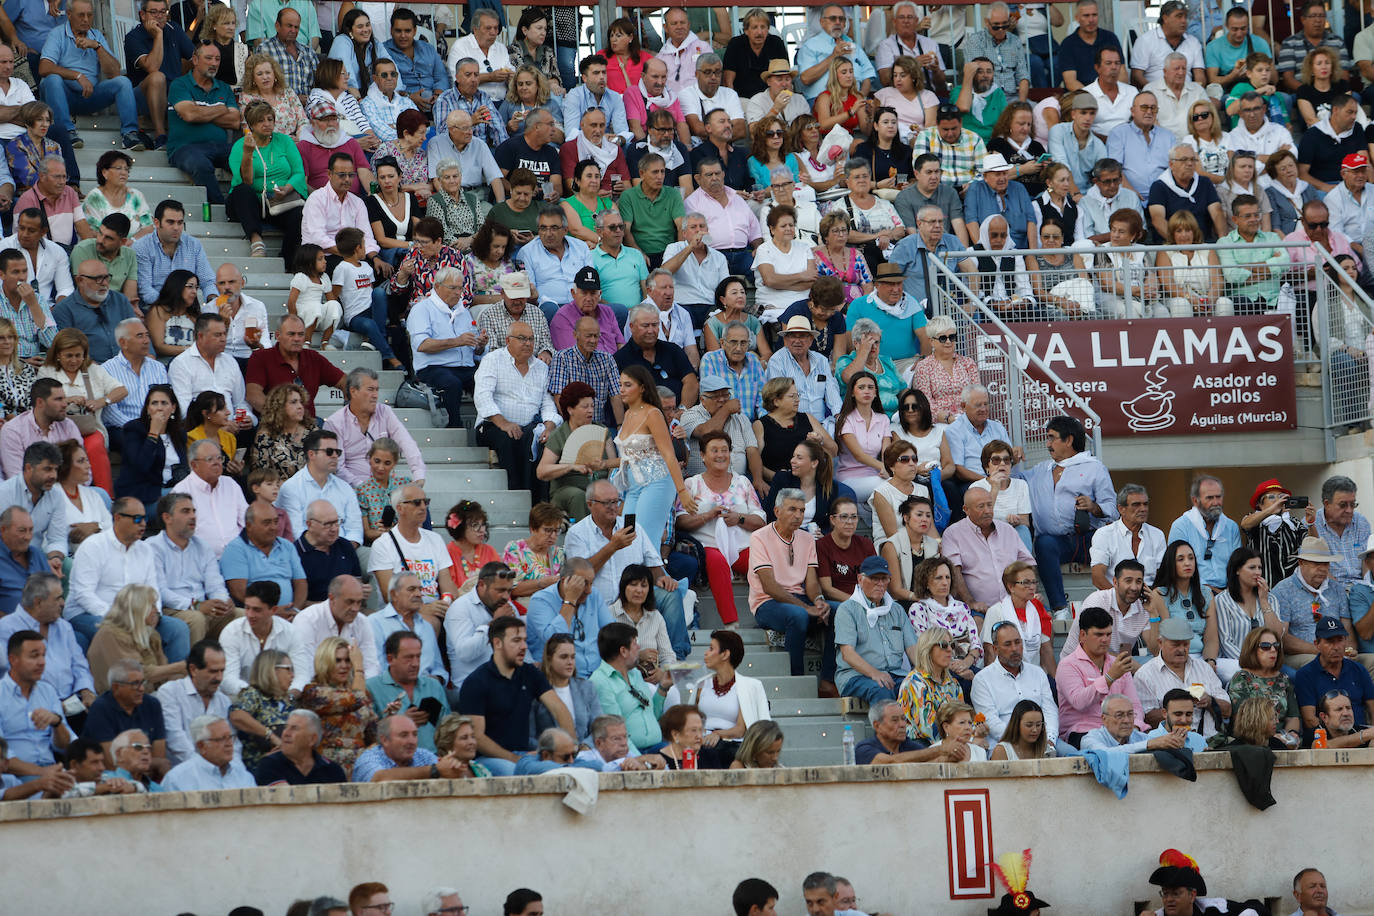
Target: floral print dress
(270, 712)
(284, 454)
(374, 497)
(854, 274)
(350, 723)
(526, 565)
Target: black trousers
(245, 208)
(514, 454)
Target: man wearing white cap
(811, 371)
(995, 192)
(497, 318)
(720, 410)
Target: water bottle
(847, 743)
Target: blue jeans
(449, 383)
(372, 323)
(1039, 54)
(651, 504)
(869, 690)
(64, 97)
(794, 622)
(567, 65)
(199, 160)
(499, 766)
(740, 262)
(1024, 532)
(175, 635)
(669, 604)
(1052, 550)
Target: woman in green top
(586, 202)
(568, 483)
(264, 157)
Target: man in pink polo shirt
(784, 588)
(651, 94)
(730, 222)
(1088, 675)
(981, 547)
(59, 200)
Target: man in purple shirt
(981, 547)
(586, 303)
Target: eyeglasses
(419, 501)
(1149, 108)
(847, 517)
(946, 338)
(1184, 158)
(774, 133)
(344, 174)
(285, 667)
(998, 26)
(1024, 583)
(136, 519)
(137, 685)
(579, 628)
(452, 910)
(139, 746)
(911, 407)
(379, 907)
(1332, 694)
(331, 452)
(1000, 459)
(943, 644)
(522, 338)
(98, 278)
(607, 502)
(332, 523)
(1124, 714)
(1317, 225)
(614, 227)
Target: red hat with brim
(1271, 485)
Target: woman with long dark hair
(171, 319)
(1245, 604)
(810, 470)
(646, 479)
(154, 449)
(357, 48)
(1026, 737)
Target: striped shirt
(746, 386)
(154, 265)
(150, 373)
(33, 341)
(492, 132)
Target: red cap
(1272, 485)
(1354, 161)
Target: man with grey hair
(398, 755)
(338, 615)
(623, 269)
(59, 200)
(674, 324)
(611, 748)
(681, 48)
(1119, 732)
(514, 407)
(1345, 531)
(128, 704)
(966, 435)
(445, 340)
(220, 505)
(554, 749)
(1129, 537)
(188, 576)
(890, 744)
(79, 73)
(645, 348)
(258, 554)
(1176, 95)
(906, 41)
(533, 149)
(324, 554)
(214, 765)
(298, 761)
(40, 610)
(706, 96)
(466, 97)
(1004, 48)
(384, 101)
(442, 901)
(696, 267)
(572, 605)
(481, 44)
(738, 365)
(106, 562)
(94, 309)
(364, 420)
(1205, 527)
(931, 237)
(133, 760)
(409, 546)
(135, 372)
(784, 589)
(830, 44)
(404, 613)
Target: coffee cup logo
(1153, 409)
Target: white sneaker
(1064, 614)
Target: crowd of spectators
(576, 261)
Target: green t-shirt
(184, 89)
(124, 265)
(526, 220)
(653, 223)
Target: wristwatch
(434, 771)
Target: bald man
(981, 547)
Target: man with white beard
(322, 139)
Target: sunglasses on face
(946, 338)
(424, 501)
(331, 452)
(136, 519)
(1267, 645)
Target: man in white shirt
(706, 96)
(1105, 197)
(213, 764)
(1175, 94)
(1174, 669)
(1147, 56)
(109, 560)
(469, 618)
(674, 323)
(778, 100)
(1114, 98)
(611, 748)
(512, 399)
(219, 504)
(244, 639)
(48, 268)
(204, 367)
(409, 547)
(681, 48)
(186, 699)
(192, 589)
(480, 44)
(1129, 606)
(13, 93)
(609, 546)
(1254, 131)
(1130, 537)
(696, 267)
(444, 339)
(1007, 681)
(1349, 203)
(338, 616)
(317, 480)
(905, 41)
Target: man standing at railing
(1254, 271)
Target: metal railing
(1332, 315)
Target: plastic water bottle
(847, 743)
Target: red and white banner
(968, 830)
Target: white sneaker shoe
(1064, 614)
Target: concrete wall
(681, 848)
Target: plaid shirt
(747, 385)
(1295, 48)
(960, 162)
(496, 321)
(492, 133)
(422, 280)
(33, 341)
(300, 71)
(600, 371)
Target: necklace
(722, 689)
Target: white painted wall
(669, 851)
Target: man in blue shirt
(1332, 673)
(817, 52)
(1141, 145)
(402, 615)
(257, 553)
(214, 765)
(77, 72)
(40, 610)
(1212, 535)
(398, 755)
(318, 480)
(402, 690)
(33, 21)
(592, 93)
(966, 436)
(421, 68)
(445, 340)
(203, 109)
(1179, 712)
(1071, 496)
(30, 709)
(995, 192)
(155, 52)
(912, 253)
(570, 605)
(168, 248)
(20, 558)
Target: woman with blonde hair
(1320, 85)
(930, 685)
(456, 737)
(529, 91)
(957, 725)
(1205, 134)
(220, 28)
(760, 748)
(279, 442)
(16, 375)
(129, 631)
(264, 81)
(260, 710)
(89, 390)
(338, 695)
(841, 103)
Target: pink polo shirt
(731, 226)
(789, 562)
(982, 559)
(1082, 688)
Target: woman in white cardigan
(729, 702)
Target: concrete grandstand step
(750, 635)
(191, 196)
(760, 662)
(824, 732)
(504, 508)
(802, 687)
(143, 173)
(390, 380)
(795, 707)
(811, 756)
(349, 359)
(440, 478)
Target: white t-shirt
(927, 446)
(426, 559)
(355, 288)
(312, 293)
(772, 302)
(19, 94)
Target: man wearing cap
(1114, 98)
(511, 397)
(1307, 597)
(730, 221)
(1333, 671)
(720, 410)
(202, 110)
(1171, 35)
(1184, 893)
(906, 41)
(586, 303)
(666, 361)
(1078, 51)
(1004, 51)
(1073, 142)
(1324, 145)
(978, 97)
(1347, 204)
(901, 318)
(874, 638)
(778, 100)
(811, 371)
(1180, 187)
(1176, 94)
(958, 150)
(1254, 131)
(496, 319)
(831, 43)
(928, 189)
(1174, 669)
(553, 262)
(1141, 146)
(912, 255)
(318, 145)
(1130, 537)
(995, 192)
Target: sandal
(258, 250)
